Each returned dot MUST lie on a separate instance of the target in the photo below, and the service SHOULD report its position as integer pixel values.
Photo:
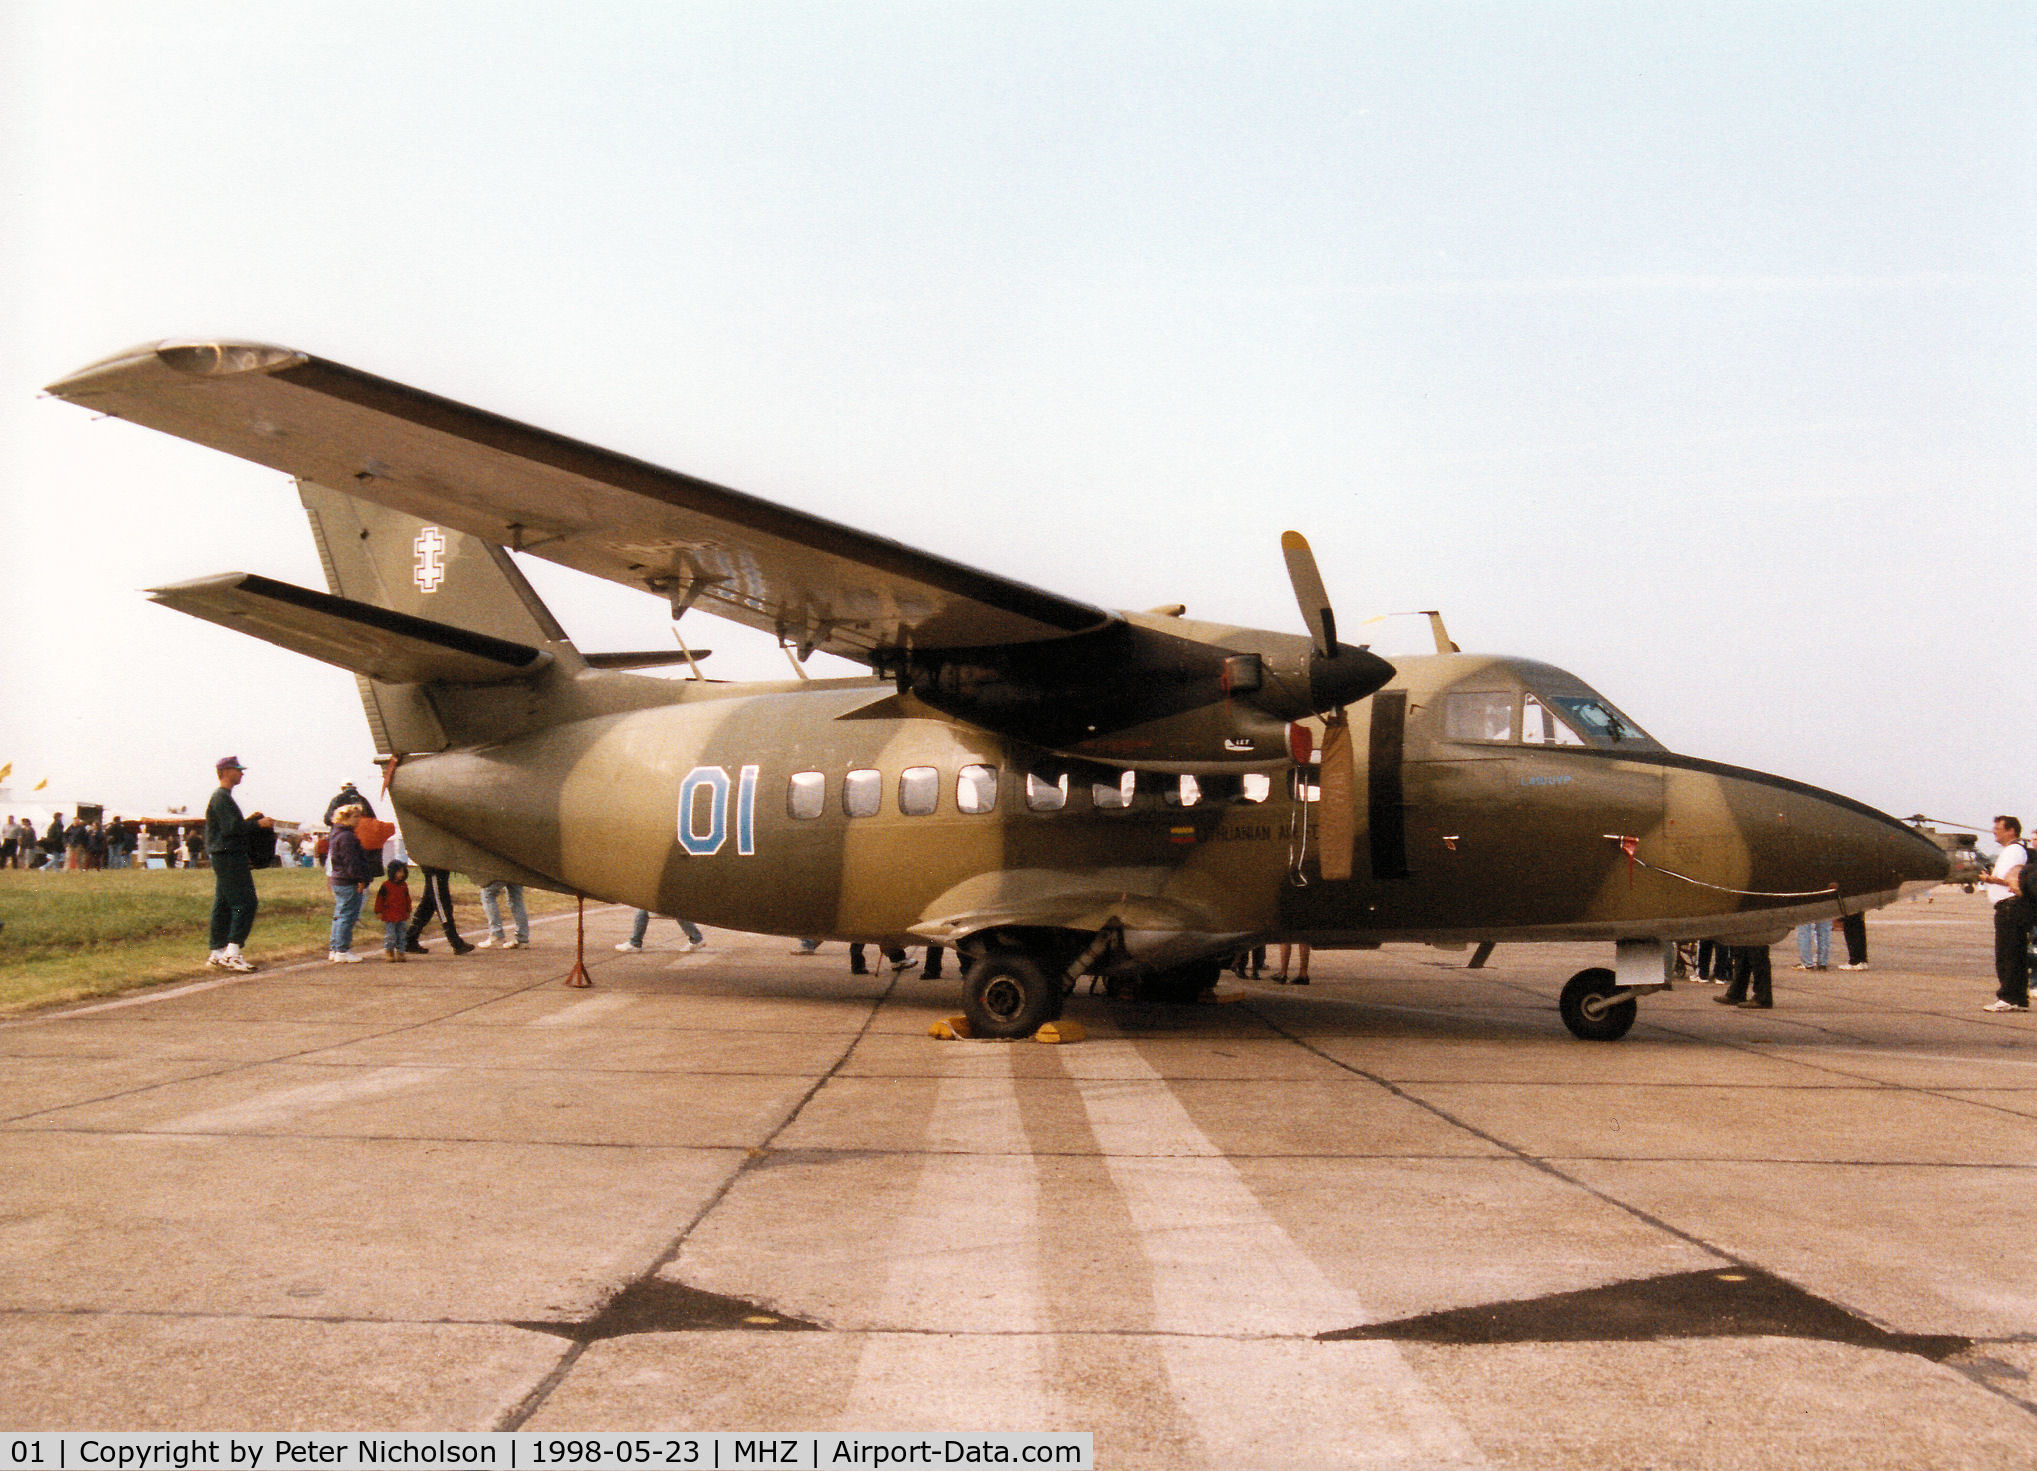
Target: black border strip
(1386, 800)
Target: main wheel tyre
(1588, 1012)
(1006, 994)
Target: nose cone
(1822, 838)
(1779, 844)
(1917, 861)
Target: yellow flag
(40, 785)
(6, 771)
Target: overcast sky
(1689, 347)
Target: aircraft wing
(812, 582)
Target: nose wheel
(1596, 1007)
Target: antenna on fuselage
(691, 662)
(1444, 643)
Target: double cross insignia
(431, 559)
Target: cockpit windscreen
(1600, 722)
(1578, 718)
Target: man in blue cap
(233, 877)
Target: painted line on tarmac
(1223, 1272)
(965, 1256)
(579, 1013)
(255, 1113)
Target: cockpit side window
(1478, 715)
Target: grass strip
(69, 936)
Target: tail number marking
(702, 838)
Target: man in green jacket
(233, 877)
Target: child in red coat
(392, 905)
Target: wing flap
(812, 582)
(393, 648)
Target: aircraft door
(1356, 828)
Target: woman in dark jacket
(346, 869)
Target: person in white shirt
(2012, 919)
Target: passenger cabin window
(919, 790)
(1540, 726)
(1478, 715)
(807, 794)
(862, 791)
(1255, 786)
(976, 788)
(1183, 791)
(1114, 794)
(1046, 796)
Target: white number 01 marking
(712, 782)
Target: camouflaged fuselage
(683, 804)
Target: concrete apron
(1400, 1218)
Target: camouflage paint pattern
(521, 761)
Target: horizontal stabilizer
(650, 659)
(394, 648)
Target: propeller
(1316, 611)
(1337, 676)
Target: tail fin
(391, 560)
(376, 555)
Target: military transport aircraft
(1054, 789)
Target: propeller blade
(1310, 593)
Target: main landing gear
(1598, 1005)
(1016, 982)
(1006, 994)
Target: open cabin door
(1342, 812)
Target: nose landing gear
(1594, 1007)
(1598, 1005)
